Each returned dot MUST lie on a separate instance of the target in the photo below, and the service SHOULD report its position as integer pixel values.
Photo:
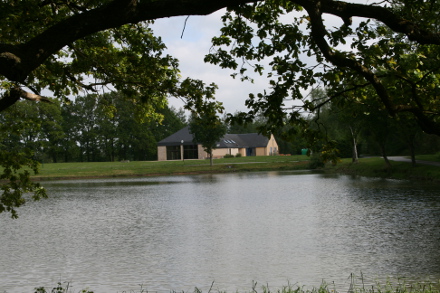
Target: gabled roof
(177, 138)
(228, 141)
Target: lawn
(370, 167)
(375, 167)
(152, 168)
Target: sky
(191, 48)
(190, 42)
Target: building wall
(269, 150)
(242, 152)
(261, 151)
(234, 151)
(219, 153)
(161, 153)
(272, 147)
(202, 153)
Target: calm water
(177, 233)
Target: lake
(181, 232)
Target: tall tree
(18, 128)
(66, 47)
(51, 132)
(207, 127)
(303, 53)
(41, 50)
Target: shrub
(228, 156)
(238, 155)
(316, 162)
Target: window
(173, 152)
(190, 152)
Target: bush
(228, 156)
(316, 162)
(238, 155)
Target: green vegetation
(153, 168)
(376, 167)
(90, 129)
(377, 67)
(388, 287)
(435, 158)
(207, 127)
(369, 167)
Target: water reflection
(175, 233)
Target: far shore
(369, 167)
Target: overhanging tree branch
(319, 33)
(17, 61)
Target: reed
(398, 286)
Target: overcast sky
(191, 48)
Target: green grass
(370, 167)
(375, 167)
(154, 168)
(435, 158)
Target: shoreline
(367, 167)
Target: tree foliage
(367, 129)
(53, 44)
(392, 50)
(19, 135)
(389, 50)
(91, 128)
(207, 127)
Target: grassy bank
(370, 167)
(375, 167)
(59, 171)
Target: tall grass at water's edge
(387, 287)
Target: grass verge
(369, 167)
(59, 171)
(375, 167)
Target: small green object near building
(304, 151)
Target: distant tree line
(345, 129)
(353, 128)
(88, 129)
(109, 127)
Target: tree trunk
(413, 153)
(384, 155)
(355, 158)
(112, 151)
(54, 156)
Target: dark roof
(228, 141)
(243, 140)
(177, 137)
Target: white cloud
(189, 40)
(190, 50)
